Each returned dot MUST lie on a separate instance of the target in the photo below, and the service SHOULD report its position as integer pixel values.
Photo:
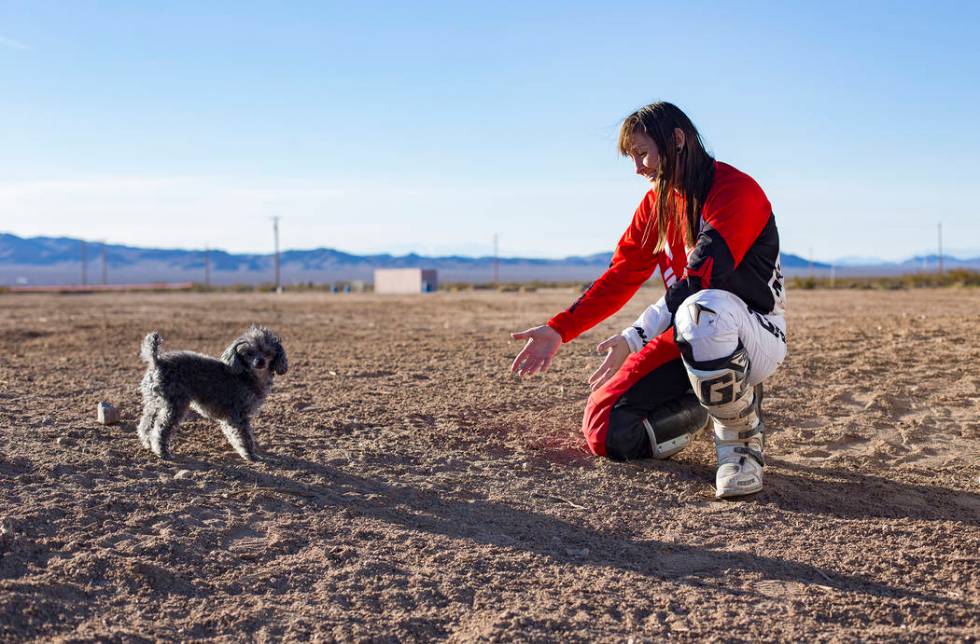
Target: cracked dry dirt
(416, 491)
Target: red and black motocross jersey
(736, 250)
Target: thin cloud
(10, 43)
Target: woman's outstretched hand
(542, 344)
(617, 350)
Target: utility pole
(207, 267)
(275, 230)
(496, 261)
(940, 258)
(84, 264)
(105, 266)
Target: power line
(940, 258)
(84, 251)
(207, 267)
(496, 261)
(275, 230)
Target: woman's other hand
(542, 344)
(617, 350)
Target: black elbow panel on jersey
(680, 291)
(710, 265)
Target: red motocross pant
(613, 421)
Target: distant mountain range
(58, 260)
(927, 262)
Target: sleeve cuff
(555, 323)
(635, 338)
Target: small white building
(405, 280)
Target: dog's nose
(260, 363)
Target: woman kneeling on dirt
(705, 347)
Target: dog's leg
(146, 423)
(167, 419)
(239, 434)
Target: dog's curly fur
(229, 390)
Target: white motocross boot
(740, 459)
(734, 408)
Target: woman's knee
(631, 433)
(626, 438)
(595, 423)
(613, 430)
(706, 325)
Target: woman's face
(646, 156)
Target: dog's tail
(151, 348)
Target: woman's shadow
(847, 494)
(500, 524)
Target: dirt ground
(417, 491)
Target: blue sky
(431, 126)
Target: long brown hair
(687, 171)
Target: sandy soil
(417, 491)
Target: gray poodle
(229, 390)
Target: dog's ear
(279, 363)
(233, 359)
